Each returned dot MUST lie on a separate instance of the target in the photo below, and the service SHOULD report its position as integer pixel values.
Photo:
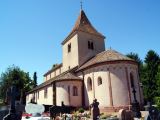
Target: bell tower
(83, 43)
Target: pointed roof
(83, 24)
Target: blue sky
(31, 31)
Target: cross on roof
(81, 4)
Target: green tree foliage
(157, 98)
(150, 70)
(149, 73)
(35, 79)
(135, 57)
(157, 102)
(14, 75)
(158, 81)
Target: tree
(158, 81)
(149, 77)
(35, 79)
(14, 75)
(135, 57)
(157, 98)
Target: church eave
(69, 37)
(75, 32)
(55, 79)
(105, 63)
(53, 69)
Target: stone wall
(70, 59)
(115, 90)
(64, 92)
(41, 98)
(84, 52)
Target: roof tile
(108, 55)
(83, 24)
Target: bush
(81, 110)
(157, 102)
(104, 116)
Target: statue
(95, 110)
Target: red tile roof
(83, 24)
(109, 55)
(68, 75)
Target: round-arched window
(99, 81)
(75, 91)
(132, 80)
(89, 84)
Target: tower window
(69, 47)
(90, 45)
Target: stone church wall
(41, 99)
(85, 53)
(115, 89)
(64, 92)
(70, 59)
(48, 100)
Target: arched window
(89, 84)
(69, 47)
(90, 45)
(99, 81)
(132, 80)
(75, 91)
(46, 92)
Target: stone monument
(135, 104)
(125, 114)
(95, 110)
(12, 115)
(34, 109)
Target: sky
(31, 31)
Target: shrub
(157, 101)
(1, 103)
(104, 116)
(81, 110)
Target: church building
(88, 71)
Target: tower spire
(81, 4)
